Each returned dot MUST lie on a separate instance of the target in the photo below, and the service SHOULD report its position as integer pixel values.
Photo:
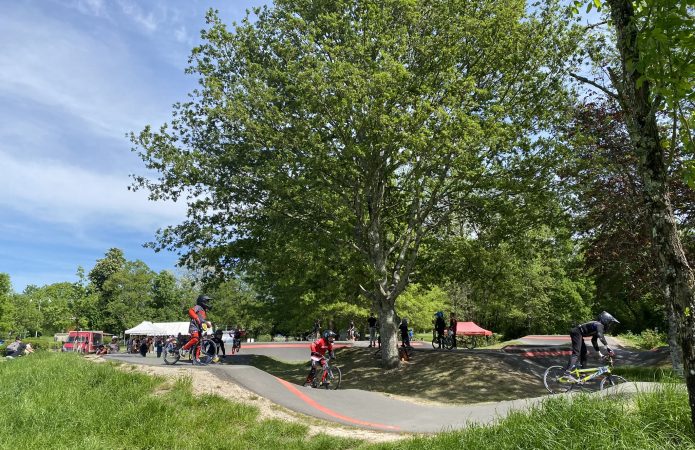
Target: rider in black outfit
(595, 329)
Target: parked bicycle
(331, 376)
(558, 380)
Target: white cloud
(55, 192)
(147, 20)
(95, 79)
(92, 7)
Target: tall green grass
(61, 401)
(658, 421)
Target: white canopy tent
(147, 328)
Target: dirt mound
(461, 377)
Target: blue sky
(75, 77)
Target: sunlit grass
(62, 401)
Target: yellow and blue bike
(558, 380)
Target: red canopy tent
(471, 329)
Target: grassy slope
(452, 377)
(62, 401)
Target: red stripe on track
(548, 353)
(252, 345)
(311, 402)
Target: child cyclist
(319, 348)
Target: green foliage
(533, 284)
(328, 139)
(112, 262)
(647, 339)
(418, 304)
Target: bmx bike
(330, 378)
(557, 379)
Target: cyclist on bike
(199, 321)
(319, 348)
(595, 329)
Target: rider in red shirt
(199, 321)
(319, 348)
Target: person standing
(159, 345)
(405, 336)
(143, 347)
(440, 326)
(452, 327)
(351, 331)
(371, 321)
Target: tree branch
(594, 84)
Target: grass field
(63, 401)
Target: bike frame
(584, 375)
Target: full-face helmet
(606, 319)
(329, 335)
(204, 302)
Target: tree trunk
(389, 336)
(674, 346)
(640, 112)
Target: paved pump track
(370, 410)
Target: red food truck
(83, 341)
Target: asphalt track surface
(358, 408)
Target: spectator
(371, 321)
(12, 349)
(143, 348)
(452, 327)
(351, 331)
(405, 336)
(439, 326)
(159, 345)
(219, 344)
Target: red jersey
(198, 316)
(321, 346)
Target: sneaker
(216, 359)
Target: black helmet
(218, 332)
(606, 319)
(204, 302)
(329, 335)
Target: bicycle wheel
(471, 342)
(334, 376)
(210, 348)
(171, 354)
(611, 380)
(556, 381)
(198, 355)
(446, 343)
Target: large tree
(654, 72)
(358, 125)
